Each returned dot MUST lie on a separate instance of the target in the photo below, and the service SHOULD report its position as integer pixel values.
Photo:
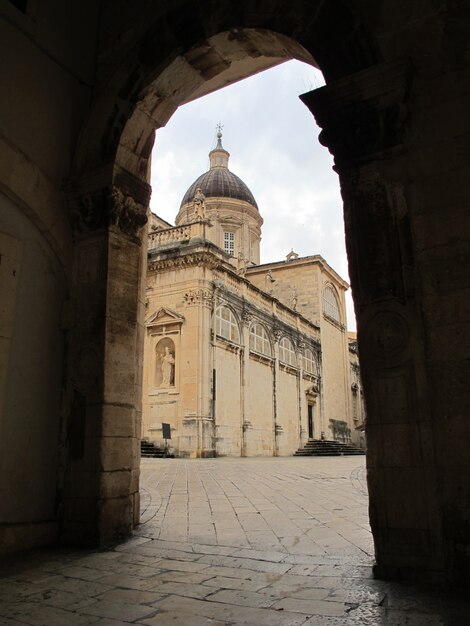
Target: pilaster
(105, 362)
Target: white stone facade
(241, 359)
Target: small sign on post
(166, 431)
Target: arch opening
(375, 200)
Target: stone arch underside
(363, 112)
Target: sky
(272, 140)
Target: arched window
(287, 352)
(330, 304)
(310, 363)
(226, 324)
(259, 340)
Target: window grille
(330, 304)
(310, 364)
(259, 340)
(287, 352)
(226, 324)
(229, 243)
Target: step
(328, 448)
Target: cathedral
(242, 358)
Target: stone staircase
(148, 449)
(315, 447)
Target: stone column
(101, 500)
(276, 427)
(364, 117)
(302, 405)
(247, 319)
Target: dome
(219, 181)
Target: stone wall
(33, 292)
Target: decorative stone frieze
(181, 262)
(195, 297)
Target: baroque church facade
(242, 358)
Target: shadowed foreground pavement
(226, 542)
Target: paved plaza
(254, 542)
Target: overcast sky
(273, 145)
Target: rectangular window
(229, 243)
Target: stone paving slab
(280, 542)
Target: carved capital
(107, 206)
(247, 318)
(362, 115)
(126, 213)
(277, 334)
(88, 211)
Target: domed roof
(219, 181)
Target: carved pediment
(164, 317)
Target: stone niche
(164, 332)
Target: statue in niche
(199, 205)
(168, 369)
(165, 365)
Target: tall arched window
(287, 352)
(259, 340)
(331, 304)
(227, 325)
(310, 363)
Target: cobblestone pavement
(275, 542)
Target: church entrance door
(310, 421)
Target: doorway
(310, 420)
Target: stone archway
(364, 113)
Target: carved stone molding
(195, 297)
(188, 260)
(363, 114)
